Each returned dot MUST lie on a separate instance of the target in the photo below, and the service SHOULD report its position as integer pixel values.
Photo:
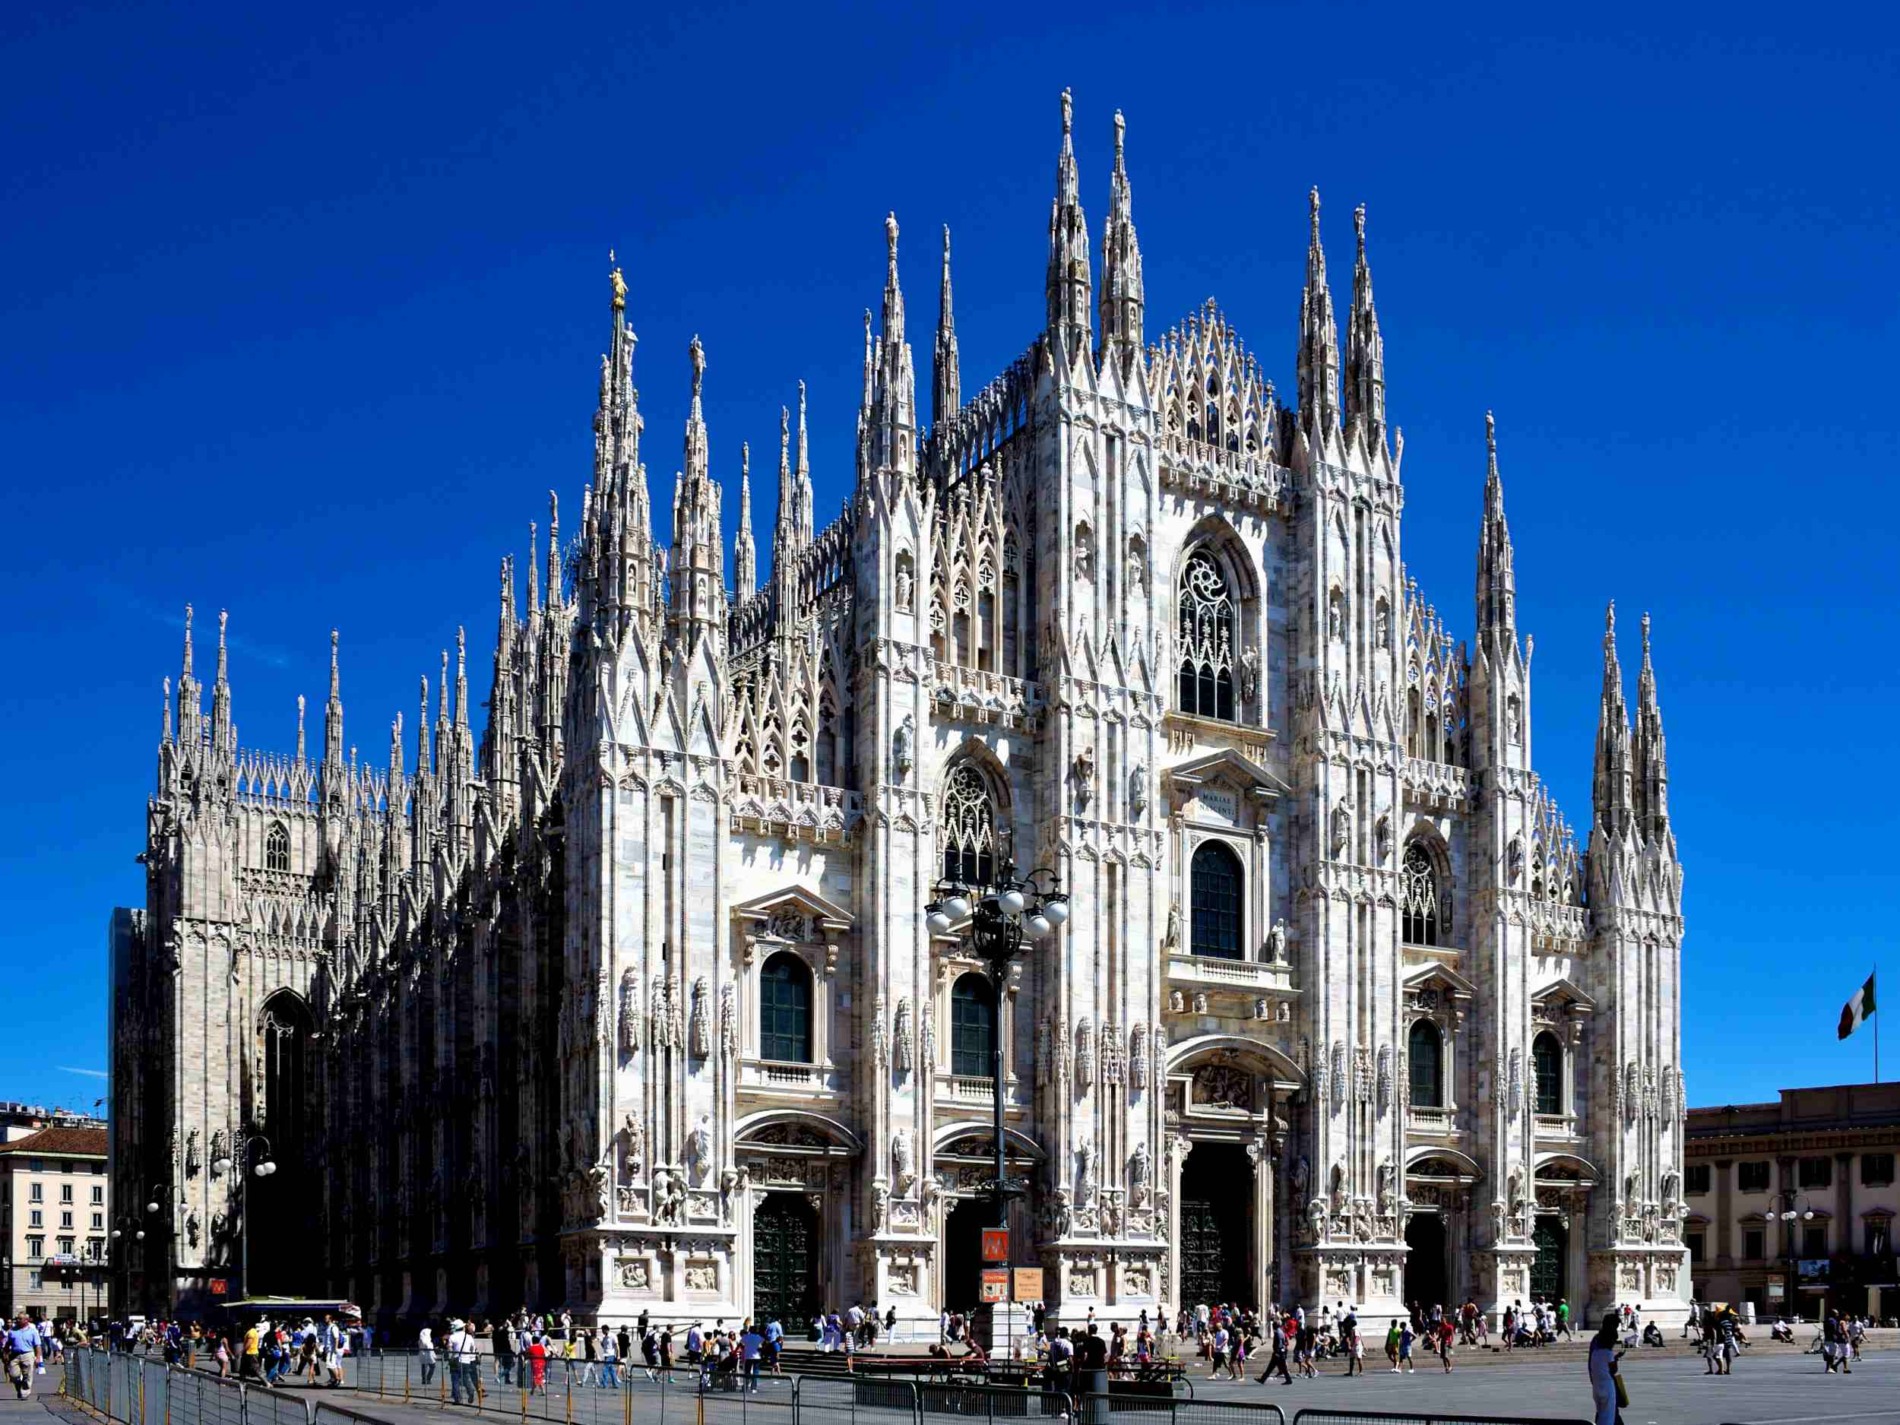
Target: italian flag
(1855, 1012)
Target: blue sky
(303, 310)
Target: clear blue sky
(302, 311)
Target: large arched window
(1425, 1056)
(1205, 636)
(1418, 896)
(1547, 1063)
(968, 824)
(972, 1025)
(277, 848)
(785, 1009)
(1216, 890)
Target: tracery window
(785, 1009)
(1206, 638)
(1547, 1063)
(1418, 896)
(1424, 1056)
(1216, 897)
(277, 848)
(972, 1025)
(968, 828)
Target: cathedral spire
(801, 485)
(1497, 579)
(1365, 348)
(946, 393)
(395, 763)
(1067, 283)
(699, 585)
(894, 392)
(745, 578)
(190, 708)
(461, 678)
(300, 737)
(333, 729)
(554, 550)
(1648, 754)
(165, 734)
(422, 733)
(1610, 788)
(1122, 299)
(1319, 338)
(222, 732)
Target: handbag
(1622, 1391)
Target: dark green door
(1216, 1217)
(1552, 1240)
(785, 1260)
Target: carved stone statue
(1082, 775)
(1382, 834)
(728, 1023)
(698, 1154)
(1514, 861)
(903, 1170)
(701, 1027)
(1084, 1053)
(901, 759)
(1172, 940)
(903, 1040)
(905, 581)
(1084, 1175)
(1276, 943)
(1140, 1171)
(1138, 789)
(191, 1154)
(1138, 1057)
(629, 1012)
(1249, 672)
(1341, 828)
(1177, 1001)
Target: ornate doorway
(963, 1253)
(1552, 1239)
(1216, 1225)
(785, 1260)
(1425, 1281)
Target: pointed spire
(534, 568)
(300, 739)
(745, 580)
(1610, 788)
(1067, 283)
(893, 289)
(1318, 362)
(946, 394)
(696, 460)
(1649, 756)
(554, 550)
(422, 732)
(894, 390)
(222, 733)
(461, 677)
(165, 734)
(698, 563)
(1497, 579)
(187, 672)
(333, 727)
(190, 709)
(1365, 348)
(505, 619)
(395, 761)
(1122, 296)
(801, 507)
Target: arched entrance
(283, 1205)
(963, 1253)
(1425, 1275)
(1217, 1195)
(1552, 1239)
(785, 1260)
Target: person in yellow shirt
(249, 1365)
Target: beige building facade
(628, 1001)
(55, 1215)
(1792, 1203)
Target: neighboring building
(627, 1000)
(55, 1214)
(1824, 1155)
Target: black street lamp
(1000, 917)
(263, 1167)
(1786, 1199)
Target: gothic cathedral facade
(630, 1003)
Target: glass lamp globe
(1012, 901)
(956, 907)
(1039, 926)
(1056, 907)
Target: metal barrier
(1383, 1417)
(1173, 1410)
(989, 1402)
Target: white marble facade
(1122, 614)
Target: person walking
(1353, 1345)
(1276, 1362)
(464, 1381)
(609, 1361)
(1406, 1339)
(1604, 1388)
(425, 1353)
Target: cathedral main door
(1425, 1262)
(1216, 1225)
(785, 1260)
(1552, 1240)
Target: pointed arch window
(972, 1025)
(1418, 896)
(1205, 636)
(277, 848)
(1425, 1056)
(1216, 893)
(785, 1009)
(968, 828)
(1547, 1063)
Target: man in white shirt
(463, 1380)
(425, 1353)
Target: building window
(35, 1248)
(969, 829)
(66, 1246)
(1696, 1178)
(65, 1192)
(972, 1026)
(1205, 637)
(1752, 1177)
(36, 1192)
(36, 1218)
(1814, 1240)
(98, 1221)
(1425, 1053)
(65, 1219)
(33, 1281)
(98, 1193)
(1547, 1063)
(785, 1009)
(1876, 1169)
(1752, 1240)
(1817, 1172)
(1879, 1236)
(1418, 892)
(1216, 888)
(277, 848)
(1694, 1243)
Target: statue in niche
(901, 741)
(901, 1165)
(1172, 940)
(902, 1039)
(1514, 861)
(1083, 777)
(1138, 789)
(701, 1029)
(699, 1154)
(1177, 1002)
(1382, 625)
(1342, 828)
(1382, 834)
(191, 1155)
(1140, 1173)
(905, 583)
(1336, 617)
(1084, 1175)
(1276, 943)
(629, 1012)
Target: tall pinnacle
(745, 580)
(1497, 578)
(893, 428)
(946, 382)
(1610, 787)
(1319, 338)
(696, 462)
(1067, 282)
(1365, 348)
(801, 483)
(190, 709)
(1122, 298)
(554, 550)
(221, 731)
(333, 719)
(1649, 757)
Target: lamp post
(999, 916)
(263, 1166)
(1785, 1200)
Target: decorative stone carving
(1382, 836)
(903, 1170)
(1341, 828)
(1081, 1284)
(1340, 1086)
(1140, 1172)
(1138, 790)
(1177, 1002)
(1085, 1175)
(629, 1012)
(1222, 1086)
(1385, 1077)
(728, 1023)
(902, 1047)
(1514, 1097)
(702, 1276)
(1200, 1001)
(1249, 673)
(636, 1274)
(1276, 943)
(1082, 778)
(1138, 1057)
(880, 1050)
(701, 1027)
(698, 1154)
(1514, 861)
(1172, 939)
(902, 1279)
(1113, 1061)
(1361, 1074)
(1632, 1092)
(901, 740)
(1045, 1037)
(1084, 1054)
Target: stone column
(1178, 1149)
(1724, 1212)
(1262, 1215)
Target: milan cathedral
(627, 1002)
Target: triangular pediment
(1227, 766)
(794, 900)
(1442, 976)
(1567, 991)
